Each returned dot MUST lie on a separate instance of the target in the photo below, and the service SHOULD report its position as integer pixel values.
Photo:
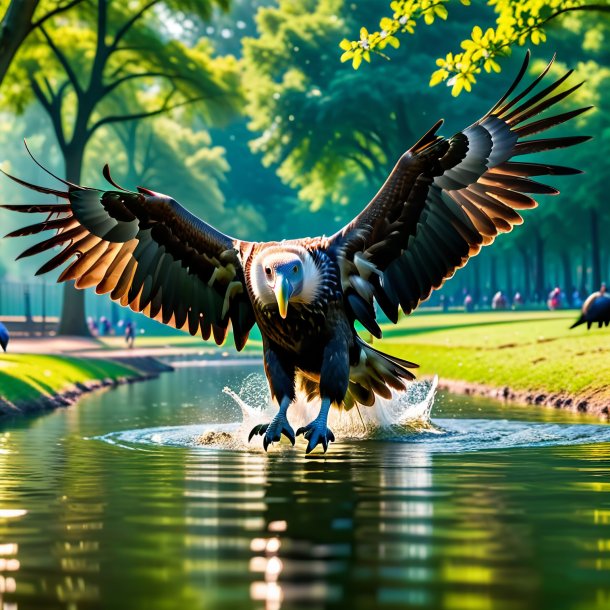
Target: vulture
(4, 336)
(596, 308)
(444, 200)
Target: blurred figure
(4, 337)
(517, 301)
(576, 300)
(130, 334)
(444, 302)
(595, 309)
(468, 304)
(554, 299)
(499, 301)
(92, 326)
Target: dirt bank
(593, 402)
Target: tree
(107, 50)
(18, 23)
(331, 133)
(518, 23)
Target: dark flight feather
(447, 198)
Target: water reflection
(86, 524)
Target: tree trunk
(476, 292)
(583, 274)
(510, 289)
(539, 287)
(73, 320)
(493, 275)
(527, 280)
(596, 264)
(568, 286)
(15, 27)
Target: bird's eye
(268, 270)
(295, 269)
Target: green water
(89, 524)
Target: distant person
(444, 303)
(576, 300)
(130, 334)
(92, 326)
(518, 301)
(554, 300)
(498, 301)
(595, 309)
(468, 303)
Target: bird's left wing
(148, 253)
(444, 200)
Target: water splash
(407, 412)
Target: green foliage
(517, 23)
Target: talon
(316, 434)
(258, 429)
(301, 430)
(272, 432)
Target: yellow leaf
(393, 41)
(429, 18)
(466, 2)
(363, 34)
(367, 56)
(345, 44)
(441, 11)
(347, 55)
(357, 61)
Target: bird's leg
(280, 374)
(279, 425)
(317, 431)
(334, 378)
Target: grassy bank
(26, 379)
(531, 352)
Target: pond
(110, 504)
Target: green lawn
(27, 377)
(523, 350)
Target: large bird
(444, 200)
(4, 336)
(595, 309)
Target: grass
(527, 351)
(27, 377)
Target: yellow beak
(283, 292)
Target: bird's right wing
(148, 253)
(445, 199)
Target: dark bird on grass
(595, 309)
(444, 200)
(4, 336)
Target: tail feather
(376, 373)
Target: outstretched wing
(445, 199)
(148, 253)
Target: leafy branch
(518, 22)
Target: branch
(55, 11)
(128, 25)
(53, 107)
(140, 115)
(63, 61)
(112, 86)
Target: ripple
(446, 436)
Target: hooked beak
(283, 291)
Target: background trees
(248, 117)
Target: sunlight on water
(404, 419)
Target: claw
(316, 434)
(272, 432)
(258, 429)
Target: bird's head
(284, 275)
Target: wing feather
(447, 198)
(148, 253)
